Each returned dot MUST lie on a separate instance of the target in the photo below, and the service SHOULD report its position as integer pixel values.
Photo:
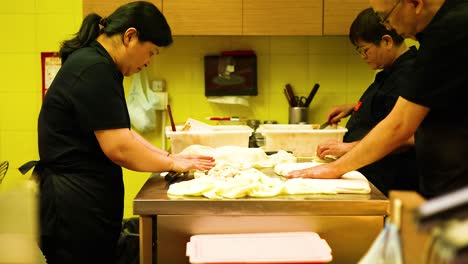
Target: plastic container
(302, 140)
(218, 136)
(287, 247)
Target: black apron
(65, 201)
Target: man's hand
(324, 171)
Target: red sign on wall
(51, 63)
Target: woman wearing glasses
(385, 50)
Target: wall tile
(329, 45)
(49, 36)
(21, 72)
(133, 182)
(54, 6)
(19, 7)
(19, 147)
(329, 71)
(20, 110)
(259, 44)
(289, 45)
(292, 69)
(22, 36)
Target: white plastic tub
(217, 136)
(302, 140)
(287, 247)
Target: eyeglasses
(363, 50)
(384, 18)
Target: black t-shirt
(441, 83)
(395, 171)
(79, 180)
(86, 95)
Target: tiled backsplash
(300, 61)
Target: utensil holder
(298, 115)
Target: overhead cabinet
(339, 14)
(241, 17)
(105, 7)
(249, 17)
(279, 17)
(204, 17)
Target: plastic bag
(141, 103)
(386, 248)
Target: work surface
(153, 200)
(341, 219)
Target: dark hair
(367, 27)
(144, 16)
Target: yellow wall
(33, 26)
(30, 27)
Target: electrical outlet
(162, 100)
(158, 85)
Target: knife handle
(291, 94)
(311, 95)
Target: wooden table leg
(146, 239)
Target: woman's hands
(339, 112)
(334, 148)
(182, 163)
(324, 171)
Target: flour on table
(236, 175)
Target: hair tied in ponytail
(103, 21)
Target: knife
(290, 92)
(287, 97)
(324, 125)
(173, 176)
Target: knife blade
(324, 125)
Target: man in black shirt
(434, 110)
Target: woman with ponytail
(85, 137)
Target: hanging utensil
(291, 94)
(287, 97)
(311, 95)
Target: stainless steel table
(348, 222)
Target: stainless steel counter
(348, 222)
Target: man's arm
(390, 133)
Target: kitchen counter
(348, 222)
